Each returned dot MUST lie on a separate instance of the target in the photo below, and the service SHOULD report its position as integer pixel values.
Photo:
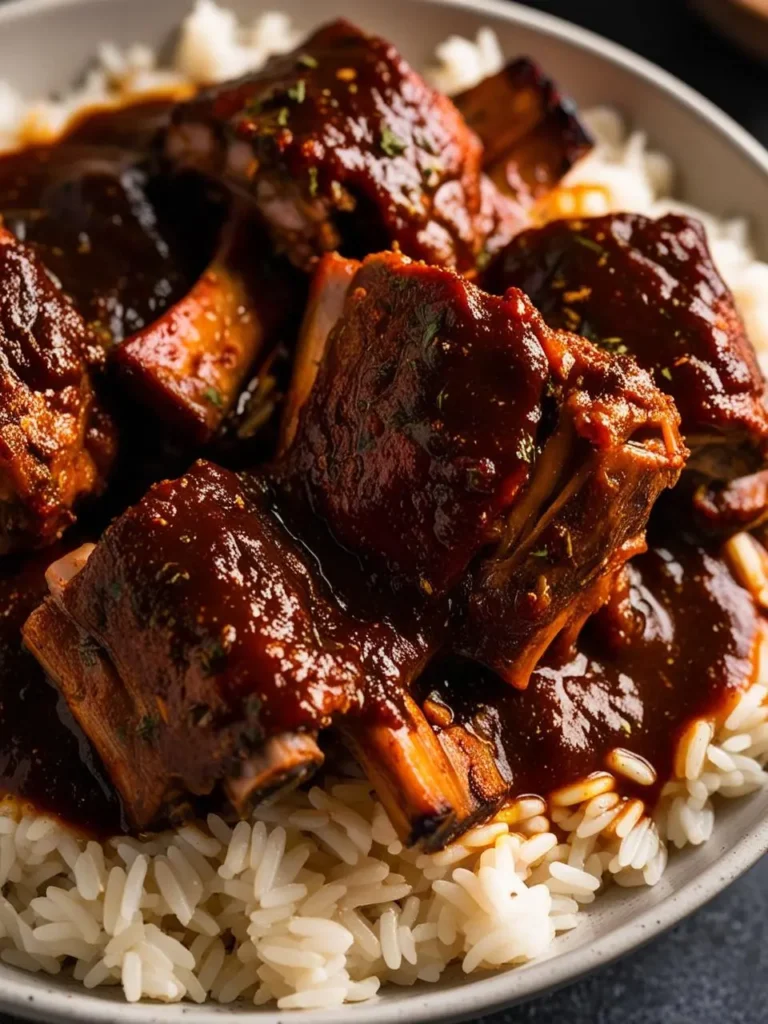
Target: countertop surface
(712, 968)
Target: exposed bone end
(328, 292)
(59, 573)
(283, 762)
(103, 708)
(475, 765)
(421, 792)
(188, 366)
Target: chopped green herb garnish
(254, 106)
(589, 244)
(476, 480)
(306, 60)
(253, 734)
(431, 330)
(298, 92)
(147, 728)
(616, 345)
(89, 652)
(483, 259)
(282, 116)
(390, 143)
(214, 397)
(213, 658)
(441, 398)
(253, 706)
(540, 553)
(666, 372)
(313, 184)
(526, 448)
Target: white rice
(315, 901)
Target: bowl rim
(493, 993)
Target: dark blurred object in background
(743, 21)
(669, 33)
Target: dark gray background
(713, 968)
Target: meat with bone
(650, 288)
(90, 213)
(679, 639)
(446, 424)
(341, 145)
(188, 366)
(531, 135)
(56, 441)
(213, 649)
(45, 759)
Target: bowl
(44, 44)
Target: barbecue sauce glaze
(678, 643)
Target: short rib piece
(188, 366)
(649, 288)
(56, 442)
(447, 426)
(531, 134)
(341, 145)
(213, 650)
(679, 638)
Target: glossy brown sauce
(44, 757)
(680, 648)
(114, 234)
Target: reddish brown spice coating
(56, 443)
(650, 288)
(343, 146)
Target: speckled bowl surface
(44, 44)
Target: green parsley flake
(147, 728)
(666, 372)
(306, 60)
(390, 143)
(431, 330)
(589, 244)
(214, 397)
(526, 448)
(313, 183)
(298, 92)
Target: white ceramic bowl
(43, 46)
